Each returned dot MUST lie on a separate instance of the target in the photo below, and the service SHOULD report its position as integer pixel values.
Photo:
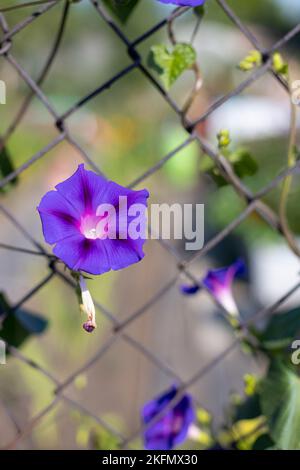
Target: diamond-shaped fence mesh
(135, 354)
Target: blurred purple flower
(189, 289)
(70, 221)
(172, 427)
(185, 3)
(219, 283)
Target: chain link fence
(253, 201)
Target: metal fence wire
(254, 201)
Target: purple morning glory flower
(81, 234)
(219, 283)
(173, 426)
(185, 3)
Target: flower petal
(156, 405)
(189, 289)
(219, 283)
(172, 428)
(81, 254)
(186, 410)
(70, 218)
(237, 269)
(59, 219)
(123, 253)
(83, 189)
(185, 3)
(113, 191)
(224, 276)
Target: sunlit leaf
(247, 431)
(170, 65)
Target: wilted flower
(89, 222)
(87, 307)
(185, 3)
(172, 427)
(219, 283)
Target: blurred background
(126, 130)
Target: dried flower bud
(87, 307)
(88, 326)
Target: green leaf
(31, 322)
(281, 330)
(279, 65)
(280, 403)
(17, 326)
(253, 59)
(217, 177)
(6, 167)
(248, 409)
(199, 11)
(243, 163)
(264, 442)
(206, 164)
(170, 65)
(122, 9)
(224, 139)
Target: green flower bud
(253, 59)
(279, 65)
(223, 138)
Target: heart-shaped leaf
(122, 9)
(248, 409)
(6, 167)
(17, 326)
(199, 11)
(280, 403)
(264, 442)
(281, 330)
(32, 322)
(170, 65)
(242, 161)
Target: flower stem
(195, 67)
(196, 29)
(26, 4)
(196, 88)
(291, 160)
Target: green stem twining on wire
(26, 4)
(287, 183)
(195, 67)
